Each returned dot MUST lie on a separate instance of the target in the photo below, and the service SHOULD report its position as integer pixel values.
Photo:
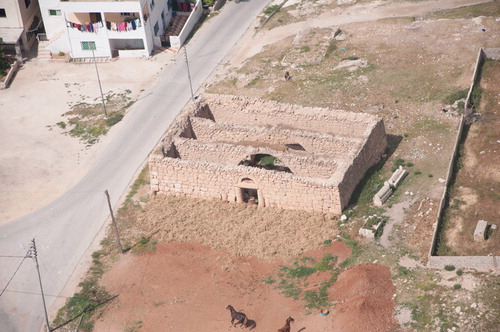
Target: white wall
(57, 30)
(54, 25)
(178, 41)
(13, 14)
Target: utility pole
(189, 74)
(114, 222)
(33, 254)
(92, 47)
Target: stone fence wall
(368, 156)
(492, 53)
(481, 56)
(231, 154)
(241, 111)
(319, 143)
(477, 262)
(482, 263)
(208, 180)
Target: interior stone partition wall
(327, 151)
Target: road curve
(65, 228)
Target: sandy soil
(182, 286)
(38, 162)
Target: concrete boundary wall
(475, 80)
(10, 75)
(475, 262)
(194, 17)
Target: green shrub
(61, 53)
(476, 95)
(417, 172)
(114, 119)
(430, 175)
(410, 164)
(461, 105)
(460, 94)
(326, 262)
(457, 286)
(305, 49)
(272, 9)
(351, 58)
(449, 267)
(459, 272)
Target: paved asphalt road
(65, 228)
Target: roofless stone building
(262, 152)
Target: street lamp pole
(32, 253)
(189, 74)
(92, 47)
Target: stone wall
(481, 263)
(212, 181)
(327, 151)
(318, 142)
(231, 154)
(241, 110)
(477, 262)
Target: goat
(239, 317)
(286, 328)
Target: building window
(2, 12)
(27, 3)
(127, 14)
(152, 4)
(88, 45)
(156, 28)
(54, 12)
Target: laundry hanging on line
(90, 27)
(113, 26)
(123, 26)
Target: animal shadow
(250, 324)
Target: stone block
(480, 231)
(382, 195)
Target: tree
(4, 64)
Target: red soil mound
(365, 300)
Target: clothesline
(113, 26)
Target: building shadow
(393, 142)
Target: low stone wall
(319, 143)
(476, 262)
(231, 154)
(208, 180)
(481, 56)
(492, 53)
(241, 110)
(10, 75)
(481, 263)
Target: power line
(10, 256)
(33, 293)
(12, 277)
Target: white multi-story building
(109, 28)
(19, 22)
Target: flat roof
(10, 35)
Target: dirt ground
(182, 286)
(203, 265)
(39, 161)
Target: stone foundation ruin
(262, 152)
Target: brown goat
(286, 328)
